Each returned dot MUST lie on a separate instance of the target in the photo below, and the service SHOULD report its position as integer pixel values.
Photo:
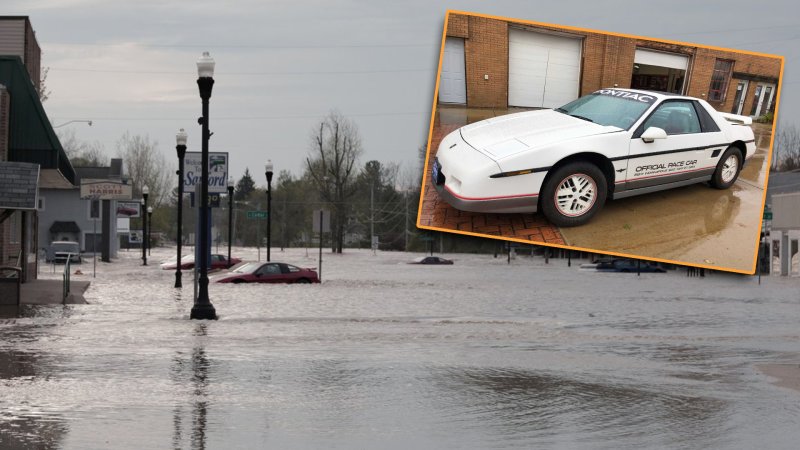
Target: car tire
(560, 186)
(728, 169)
(237, 281)
(304, 281)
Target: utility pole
(405, 234)
(372, 217)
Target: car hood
(504, 136)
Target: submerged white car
(566, 162)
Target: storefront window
(719, 80)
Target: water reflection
(195, 371)
(24, 425)
(536, 405)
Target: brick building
(29, 148)
(494, 62)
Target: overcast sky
(283, 64)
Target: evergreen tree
(244, 187)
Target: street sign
(767, 215)
(325, 222)
(256, 214)
(217, 171)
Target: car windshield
(65, 247)
(609, 109)
(247, 268)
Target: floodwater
(384, 354)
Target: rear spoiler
(736, 119)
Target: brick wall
(607, 60)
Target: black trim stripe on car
(514, 173)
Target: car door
(690, 149)
(269, 273)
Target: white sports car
(613, 143)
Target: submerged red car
(217, 262)
(271, 272)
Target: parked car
(627, 265)
(612, 143)
(431, 260)
(271, 272)
(217, 262)
(60, 251)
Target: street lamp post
(230, 218)
(149, 228)
(268, 170)
(181, 139)
(203, 309)
(145, 193)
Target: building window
(40, 204)
(719, 80)
(94, 209)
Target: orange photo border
(589, 250)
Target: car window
(292, 268)
(674, 117)
(269, 269)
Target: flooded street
(384, 354)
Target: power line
(241, 46)
(297, 116)
(298, 72)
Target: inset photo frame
(600, 141)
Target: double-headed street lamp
(230, 218)
(268, 170)
(181, 139)
(145, 193)
(203, 309)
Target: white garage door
(543, 69)
(452, 82)
(661, 59)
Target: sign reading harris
(217, 172)
(105, 189)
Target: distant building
(63, 215)
(781, 246)
(490, 62)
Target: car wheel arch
(601, 161)
(742, 148)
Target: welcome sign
(217, 172)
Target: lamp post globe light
(230, 218)
(180, 139)
(203, 309)
(149, 228)
(268, 171)
(145, 193)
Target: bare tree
(82, 153)
(41, 88)
(146, 166)
(335, 149)
(787, 148)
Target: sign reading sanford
(217, 172)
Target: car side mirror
(653, 133)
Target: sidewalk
(49, 292)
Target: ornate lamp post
(149, 228)
(230, 218)
(268, 170)
(203, 309)
(145, 193)
(181, 139)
